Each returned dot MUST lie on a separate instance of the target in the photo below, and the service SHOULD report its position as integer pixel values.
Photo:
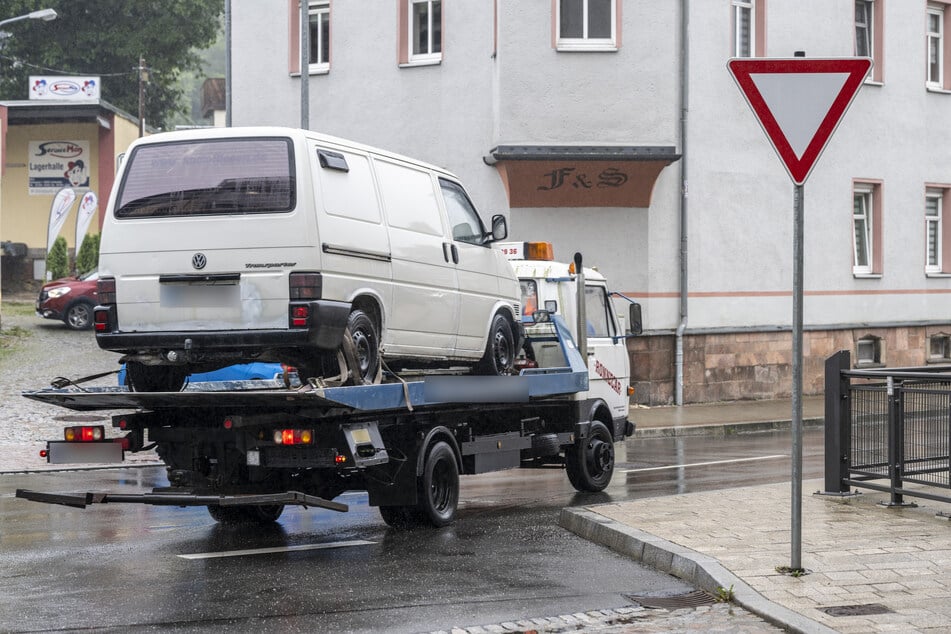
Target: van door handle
(455, 254)
(445, 251)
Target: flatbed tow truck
(246, 452)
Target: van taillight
(106, 289)
(305, 286)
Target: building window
(866, 229)
(939, 348)
(420, 34)
(319, 34)
(749, 28)
(937, 25)
(933, 232)
(586, 25)
(869, 19)
(868, 352)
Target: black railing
(886, 428)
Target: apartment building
(613, 128)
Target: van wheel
(363, 357)
(155, 378)
(499, 355)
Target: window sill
(868, 365)
(421, 62)
(874, 82)
(937, 89)
(938, 361)
(586, 48)
(867, 276)
(314, 71)
(937, 275)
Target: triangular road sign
(799, 102)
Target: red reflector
(44, 453)
(340, 459)
(123, 423)
(300, 311)
(228, 423)
(125, 442)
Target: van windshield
(208, 177)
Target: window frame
(294, 38)
(877, 346)
(944, 340)
(938, 38)
(319, 8)
(871, 191)
(406, 35)
(868, 27)
(935, 221)
(738, 7)
(585, 43)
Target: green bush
(88, 257)
(57, 262)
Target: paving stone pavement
(856, 551)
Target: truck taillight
(293, 437)
(305, 286)
(106, 290)
(85, 433)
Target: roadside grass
(10, 337)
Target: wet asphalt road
(123, 568)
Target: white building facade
(613, 128)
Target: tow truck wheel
(400, 516)
(155, 378)
(499, 357)
(438, 486)
(590, 461)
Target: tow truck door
(608, 366)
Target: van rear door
(204, 233)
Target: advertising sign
(62, 203)
(87, 207)
(47, 87)
(57, 164)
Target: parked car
(70, 299)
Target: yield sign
(799, 102)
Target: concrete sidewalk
(870, 568)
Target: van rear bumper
(328, 320)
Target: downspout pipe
(684, 162)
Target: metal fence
(887, 428)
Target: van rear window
(208, 177)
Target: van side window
(410, 201)
(463, 218)
(599, 319)
(350, 193)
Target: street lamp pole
(43, 14)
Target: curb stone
(703, 571)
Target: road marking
(279, 549)
(706, 464)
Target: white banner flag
(87, 208)
(62, 203)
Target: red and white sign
(799, 102)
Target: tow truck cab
(551, 287)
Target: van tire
(363, 357)
(499, 357)
(155, 378)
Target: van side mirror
(635, 325)
(500, 228)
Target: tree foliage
(57, 262)
(88, 256)
(106, 38)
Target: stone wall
(758, 365)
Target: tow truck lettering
(608, 376)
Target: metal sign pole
(796, 563)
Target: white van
(236, 244)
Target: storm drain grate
(863, 609)
(676, 602)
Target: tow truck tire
(250, 514)
(499, 357)
(590, 461)
(155, 378)
(400, 516)
(438, 486)
(365, 366)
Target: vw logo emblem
(199, 261)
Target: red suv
(71, 299)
